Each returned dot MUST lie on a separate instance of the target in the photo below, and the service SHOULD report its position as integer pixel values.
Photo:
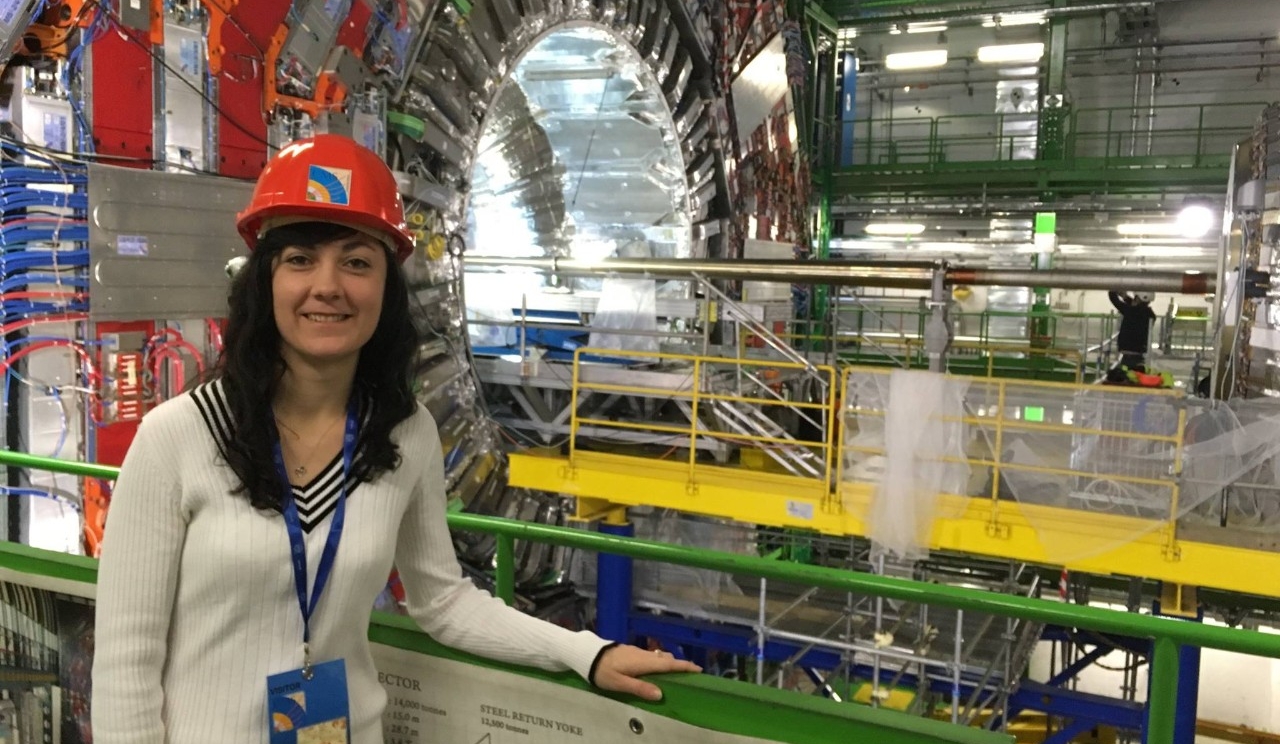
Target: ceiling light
(1011, 53)
(1160, 229)
(1015, 19)
(1171, 251)
(898, 229)
(916, 60)
(1195, 220)
(924, 28)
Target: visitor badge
(310, 706)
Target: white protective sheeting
(626, 305)
(924, 438)
(495, 298)
(1068, 454)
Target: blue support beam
(1068, 734)
(1139, 646)
(1184, 723)
(848, 106)
(1097, 709)
(613, 588)
(736, 640)
(1084, 662)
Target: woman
(256, 518)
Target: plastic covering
(1237, 444)
(489, 299)
(1150, 457)
(921, 434)
(626, 305)
(695, 592)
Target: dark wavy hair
(251, 368)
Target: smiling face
(327, 298)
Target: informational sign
(439, 701)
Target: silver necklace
(301, 470)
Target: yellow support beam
(1078, 540)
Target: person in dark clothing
(1136, 317)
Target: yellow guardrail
(1096, 448)
(704, 370)
(915, 351)
(1118, 446)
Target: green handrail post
(1073, 123)
(1200, 136)
(504, 581)
(86, 469)
(870, 128)
(935, 144)
(1162, 698)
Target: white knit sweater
(196, 602)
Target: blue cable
(37, 493)
(20, 281)
(21, 266)
(8, 345)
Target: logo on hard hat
(329, 185)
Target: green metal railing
(1183, 135)
(1166, 633)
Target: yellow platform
(1087, 542)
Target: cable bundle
(43, 264)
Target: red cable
(184, 345)
(91, 372)
(215, 334)
(18, 325)
(180, 378)
(6, 296)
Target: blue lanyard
(298, 548)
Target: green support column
(822, 107)
(1162, 697)
(1046, 242)
(504, 580)
(1054, 108)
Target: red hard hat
(328, 178)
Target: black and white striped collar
(317, 499)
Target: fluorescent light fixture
(1005, 53)
(916, 60)
(924, 28)
(1195, 220)
(1015, 19)
(1157, 229)
(1172, 251)
(897, 229)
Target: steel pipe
(901, 274)
(895, 274)
(1171, 282)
